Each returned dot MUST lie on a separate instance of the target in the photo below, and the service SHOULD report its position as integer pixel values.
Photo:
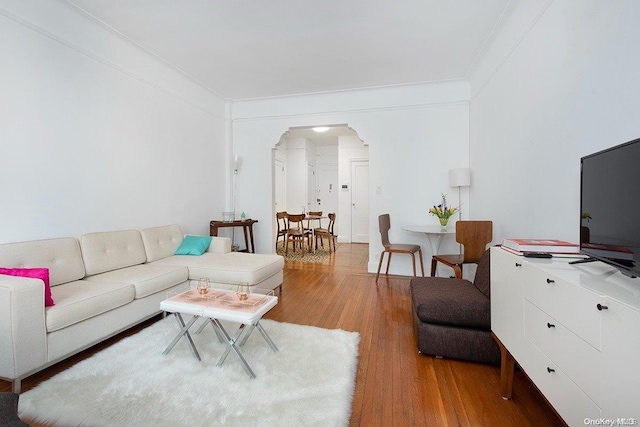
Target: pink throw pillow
(36, 273)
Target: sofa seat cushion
(453, 302)
(81, 300)
(146, 279)
(232, 267)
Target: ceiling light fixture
(321, 129)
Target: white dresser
(574, 330)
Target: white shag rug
(309, 382)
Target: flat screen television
(610, 207)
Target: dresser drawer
(577, 359)
(573, 405)
(570, 304)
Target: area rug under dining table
(318, 256)
(309, 382)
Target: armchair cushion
(453, 302)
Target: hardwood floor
(395, 385)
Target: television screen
(610, 206)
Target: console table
(247, 228)
(573, 329)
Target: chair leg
(434, 263)
(458, 271)
(421, 261)
(388, 263)
(379, 265)
(413, 263)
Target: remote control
(537, 254)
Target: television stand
(583, 261)
(545, 312)
(590, 259)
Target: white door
(360, 201)
(311, 188)
(281, 186)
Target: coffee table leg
(204, 325)
(184, 332)
(266, 336)
(247, 334)
(232, 346)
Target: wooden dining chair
(474, 237)
(296, 233)
(311, 214)
(326, 232)
(281, 221)
(384, 223)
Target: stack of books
(552, 246)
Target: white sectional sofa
(102, 284)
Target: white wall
(296, 171)
(559, 81)
(415, 135)
(96, 134)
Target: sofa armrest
(22, 326)
(220, 245)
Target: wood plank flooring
(395, 385)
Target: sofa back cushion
(61, 256)
(106, 251)
(482, 281)
(161, 242)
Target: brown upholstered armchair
(452, 317)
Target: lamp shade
(460, 177)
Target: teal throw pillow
(194, 245)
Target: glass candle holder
(203, 285)
(243, 291)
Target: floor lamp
(460, 177)
(237, 163)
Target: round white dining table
(434, 233)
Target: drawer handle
(551, 281)
(601, 307)
(518, 264)
(550, 369)
(550, 325)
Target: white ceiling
(242, 49)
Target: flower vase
(443, 223)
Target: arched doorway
(315, 170)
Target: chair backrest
(281, 220)
(482, 280)
(474, 236)
(384, 223)
(332, 221)
(295, 220)
(314, 213)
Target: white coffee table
(217, 305)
